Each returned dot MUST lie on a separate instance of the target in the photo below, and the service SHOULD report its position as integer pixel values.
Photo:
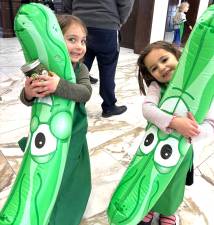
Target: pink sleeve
(151, 111)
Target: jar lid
(29, 66)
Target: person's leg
(107, 58)
(106, 47)
(176, 39)
(90, 56)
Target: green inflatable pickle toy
(36, 186)
(161, 156)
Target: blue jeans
(177, 39)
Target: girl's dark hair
(143, 73)
(65, 20)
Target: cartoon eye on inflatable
(167, 153)
(43, 142)
(149, 141)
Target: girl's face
(161, 64)
(75, 38)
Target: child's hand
(42, 86)
(30, 90)
(48, 83)
(186, 126)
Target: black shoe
(93, 80)
(117, 110)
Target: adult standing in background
(103, 19)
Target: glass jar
(34, 68)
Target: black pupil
(166, 151)
(149, 139)
(40, 140)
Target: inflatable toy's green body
(160, 155)
(35, 190)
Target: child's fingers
(47, 77)
(39, 83)
(44, 94)
(43, 77)
(190, 116)
(28, 80)
(194, 124)
(193, 131)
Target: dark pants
(103, 44)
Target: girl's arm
(124, 8)
(79, 92)
(151, 112)
(186, 126)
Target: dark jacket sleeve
(67, 5)
(124, 9)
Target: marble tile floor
(112, 141)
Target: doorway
(169, 32)
(191, 18)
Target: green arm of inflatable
(34, 193)
(160, 155)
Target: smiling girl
(157, 63)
